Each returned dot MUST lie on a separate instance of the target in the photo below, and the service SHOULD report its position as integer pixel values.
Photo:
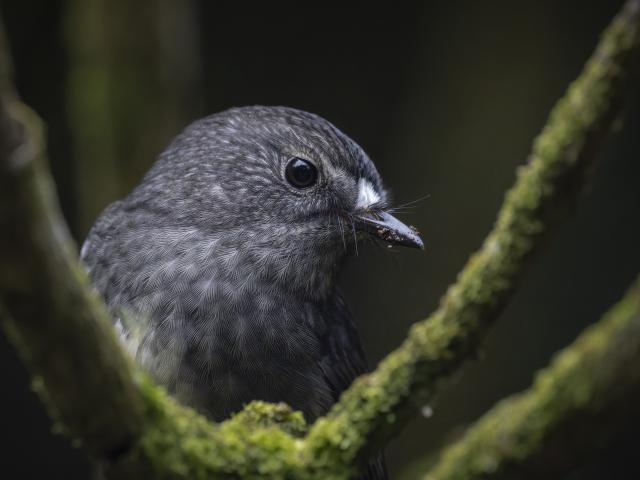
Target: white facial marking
(367, 195)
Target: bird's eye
(301, 173)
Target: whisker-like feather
(355, 235)
(410, 204)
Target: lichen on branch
(590, 390)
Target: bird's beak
(388, 228)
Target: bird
(220, 268)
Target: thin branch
(380, 404)
(590, 390)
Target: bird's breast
(220, 341)
(217, 324)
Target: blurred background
(446, 97)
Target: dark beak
(388, 228)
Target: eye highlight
(301, 173)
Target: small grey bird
(219, 269)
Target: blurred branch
(134, 80)
(63, 333)
(378, 405)
(61, 330)
(589, 391)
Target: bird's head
(284, 187)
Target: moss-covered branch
(61, 329)
(379, 404)
(63, 333)
(590, 390)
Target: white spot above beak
(367, 195)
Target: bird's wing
(344, 361)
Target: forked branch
(64, 335)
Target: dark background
(446, 97)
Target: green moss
(545, 191)
(260, 442)
(263, 414)
(583, 382)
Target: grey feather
(220, 276)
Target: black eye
(301, 173)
